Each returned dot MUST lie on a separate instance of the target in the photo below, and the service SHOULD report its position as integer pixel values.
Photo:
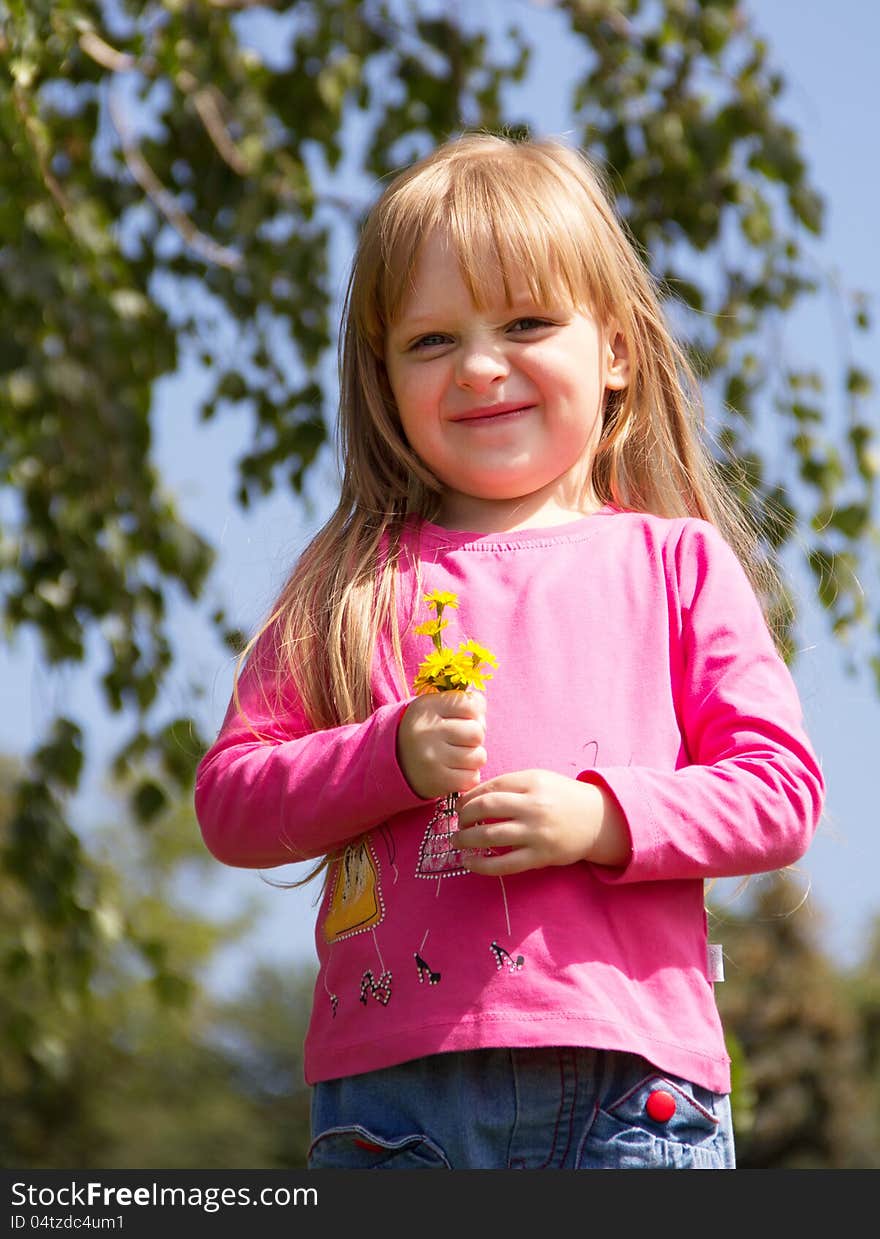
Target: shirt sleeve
(751, 795)
(272, 791)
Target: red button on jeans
(660, 1105)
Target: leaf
(852, 520)
(60, 758)
(858, 382)
(148, 801)
(173, 990)
(181, 746)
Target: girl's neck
(462, 512)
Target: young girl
(522, 464)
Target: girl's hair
(536, 210)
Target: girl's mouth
(492, 413)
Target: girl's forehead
(442, 269)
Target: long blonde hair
(533, 209)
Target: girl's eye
(430, 341)
(530, 324)
(437, 339)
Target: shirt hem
(711, 1071)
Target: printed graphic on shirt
(380, 989)
(503, 957)
(356, 904)
(425, 971)
(438, 855)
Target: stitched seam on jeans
(579, 1155)
(549, 1156)
(664, 1078)
(572, 1106)
(517, 1163)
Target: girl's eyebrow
(417, 320)
(519, 307)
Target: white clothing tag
(715, 961)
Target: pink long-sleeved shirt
(631, 651)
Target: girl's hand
(440, 743)
(539, 818)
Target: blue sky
(828, 56)
(833, 98)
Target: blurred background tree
(149, 1067)
(175, 175)
(804, 1036)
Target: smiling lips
(491, 412)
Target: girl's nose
(479, 367)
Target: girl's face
(504, 404)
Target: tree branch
(207, 101)
(103, 54)
(165, 201)
(242, 4)
(49, 180)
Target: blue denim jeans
(555, 1108)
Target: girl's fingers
(511, 786)
(469, 763)
(496, 834)
(465, 759)
(459, 705)
(484, 805)
(500, 865)
(465, 734)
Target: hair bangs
(508, 231)
(512, 222)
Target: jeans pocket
(663, 1123)
(358, 1148)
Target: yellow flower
(465, 673)
(432, 684)
(442, 598)
(430, 628)
(437, 663)
(479, 652)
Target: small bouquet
(446, 670)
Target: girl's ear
(616, 359)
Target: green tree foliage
(171, 167)
(804, 1037)
(864, 988)
(263, 1031)
(147, 1068)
